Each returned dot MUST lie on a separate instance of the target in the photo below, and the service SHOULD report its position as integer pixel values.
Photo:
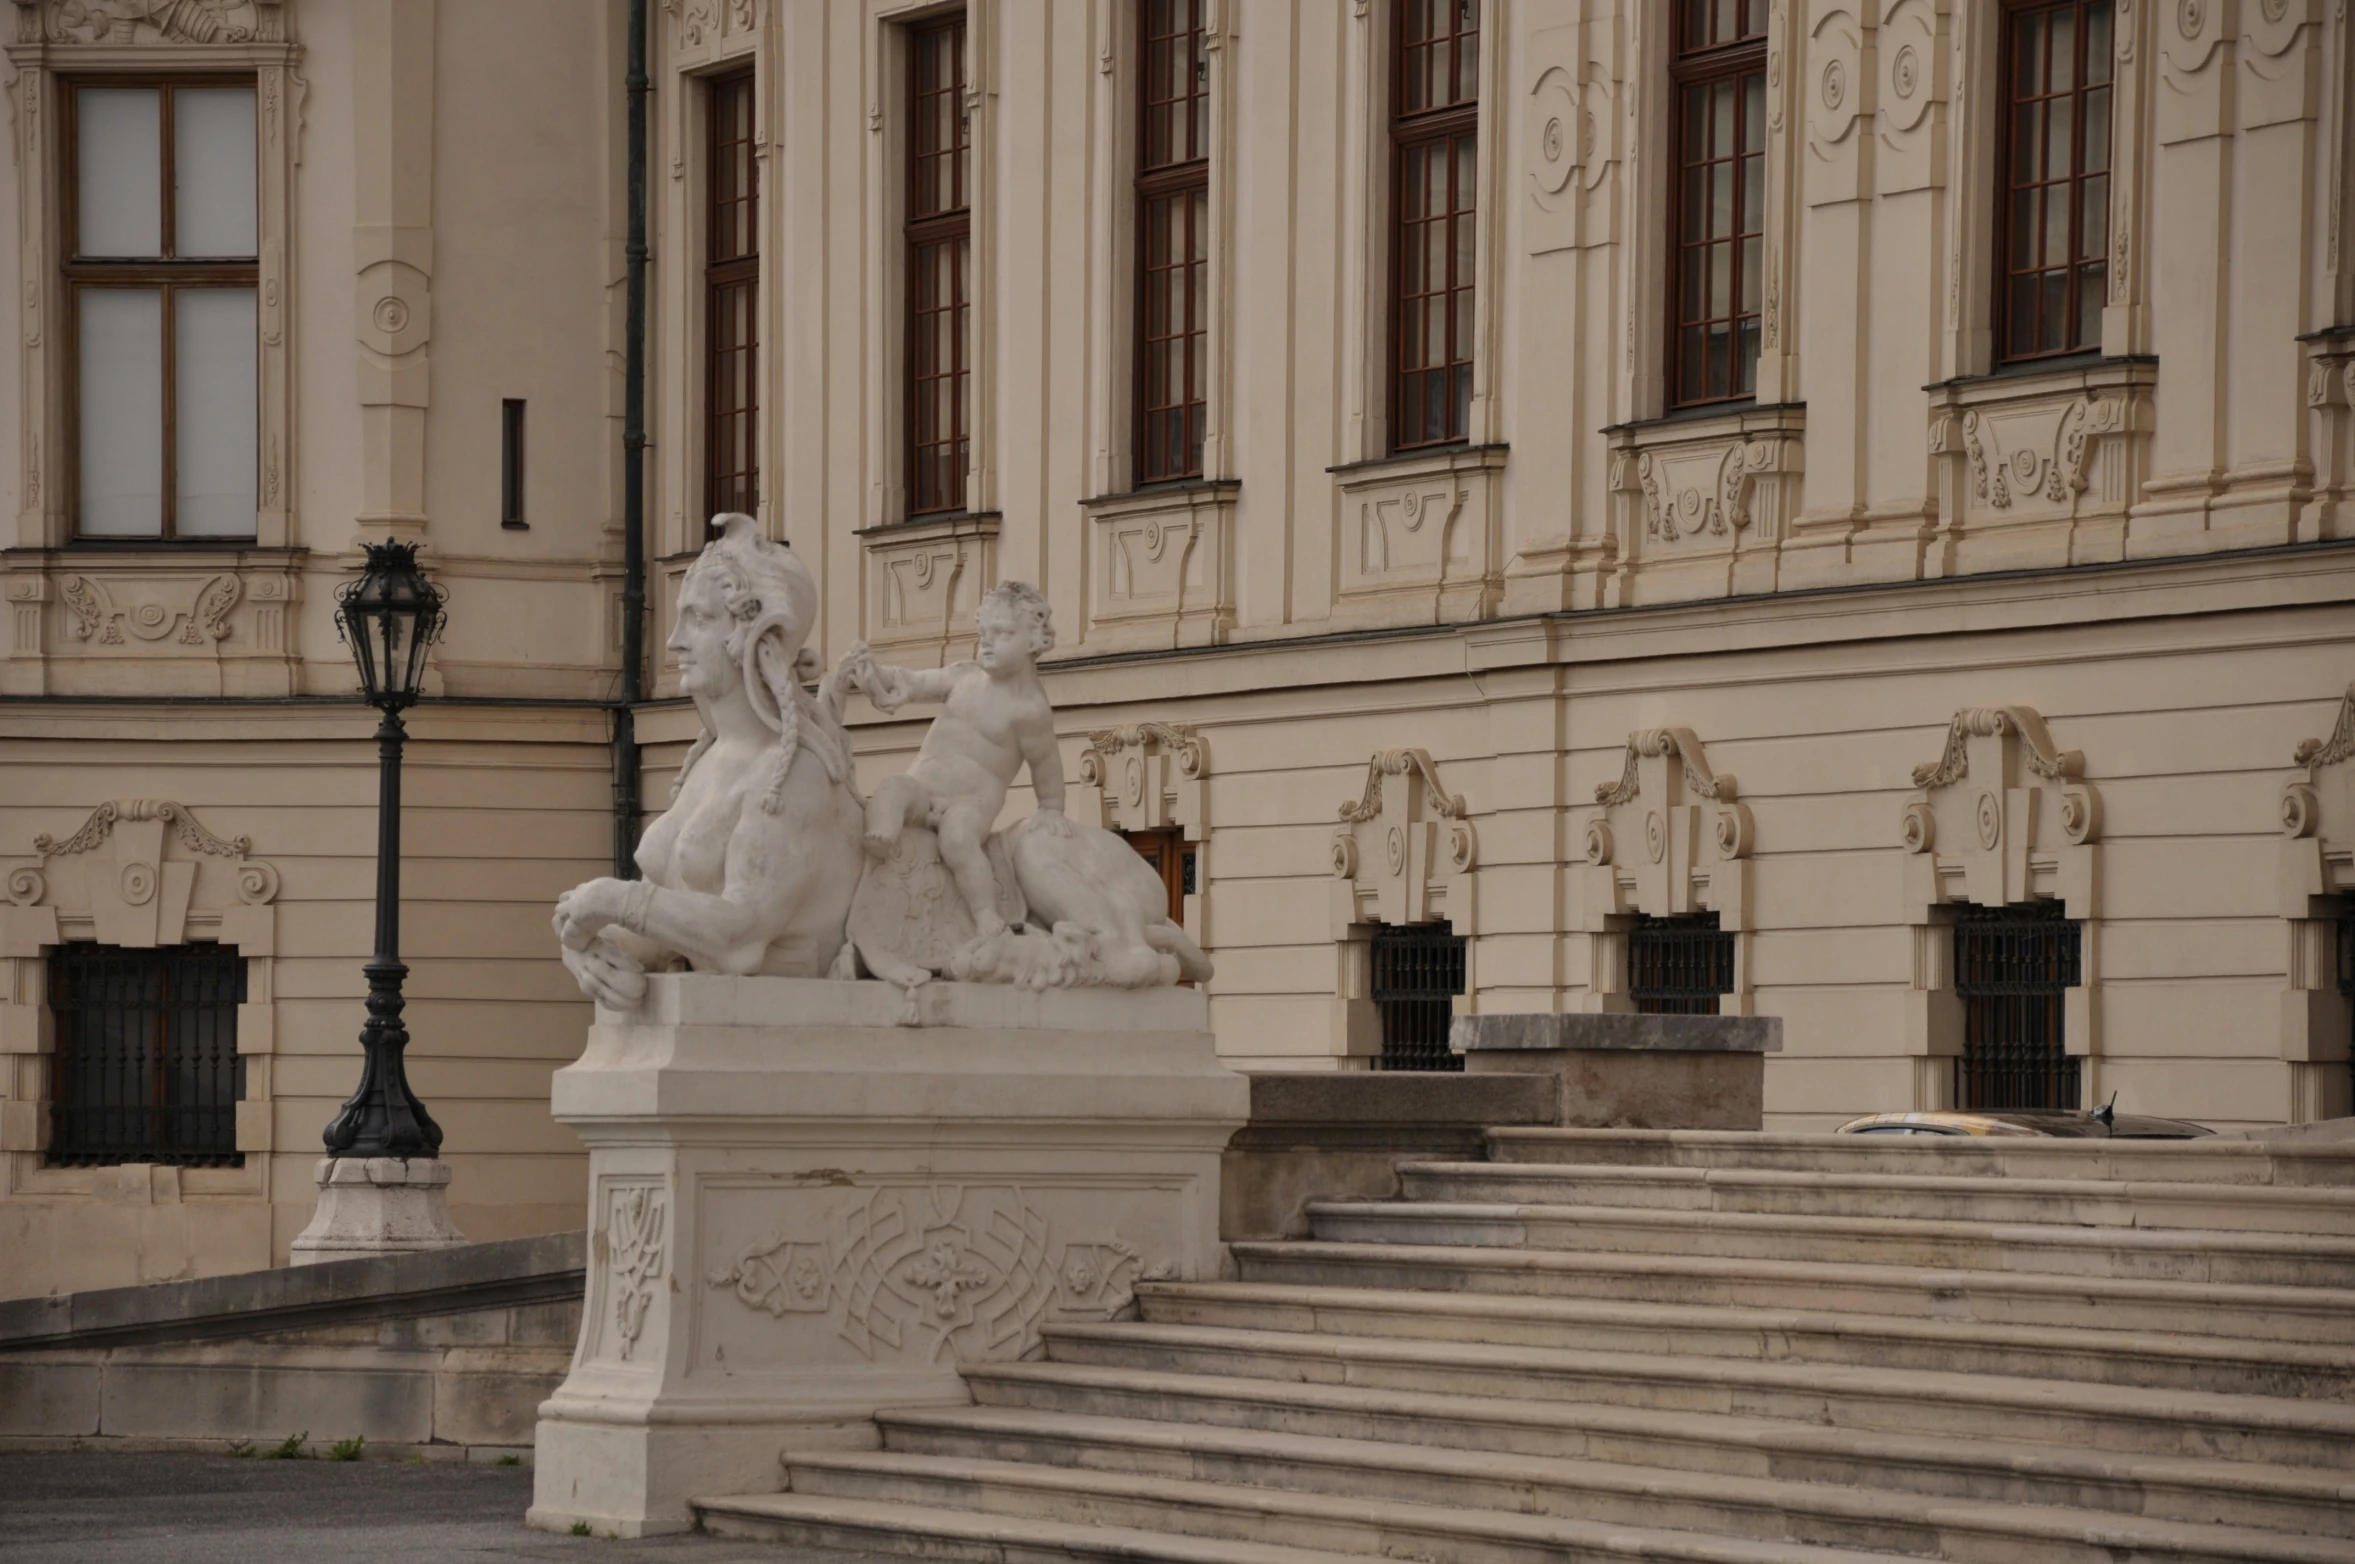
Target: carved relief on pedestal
(1668, 839)
(2317, 895)
(924, 585)
(919, 1273)
(1405, 851)
(1161, 568)
(1421, 539)
(138, 873)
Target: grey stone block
(51, 1394)
(1639, 1033)
(1392, 1097)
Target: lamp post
(389, 616)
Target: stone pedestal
(377, 1205)
(1661, 1072)
(810, 1200)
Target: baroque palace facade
(1459, 439)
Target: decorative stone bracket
(140, 873)
(1406, 851)
(1670, 838)
(1150, 777)
(2317, 871)
(2003, 816)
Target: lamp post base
(378, 1205)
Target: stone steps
(2228, 1365)
(2212, 1161)
(2163, 1254)
(1705, 1347)
(2245, 1208)
(2120, 1419)
(2201, 1491)
(2301, 1314)
(1517, 1515)
(1618, 1493)
(802, 1520)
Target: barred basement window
(1678, 966)
(146, 1067)
(2347, 977)
(2012, 966)
(1418, 971)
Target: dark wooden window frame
(2075, 266)
(927, 229)
(170, 274)
(730, 273)
(134, 1030)
(1181, 181)
(1695, 65)
(1413, 131)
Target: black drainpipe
(626, 803)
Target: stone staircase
(1693, 1346)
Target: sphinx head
(745, 608)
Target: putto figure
(753, 867)
(1093, 913)
(995, 720)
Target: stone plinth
(804, 1209)
(377, 1205)
(1633, 1071)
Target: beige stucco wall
(2144, 553)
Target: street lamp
(389, 617)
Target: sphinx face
(699, 638)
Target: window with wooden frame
(1173, 239)
(1435, 114)
(940, 246)
(162, 212)
(731, 299)
(1717, 213)
(2053, 212)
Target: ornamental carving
(1149, 777)
(2326, 783)
(1669, 837)
(152, 22)
(143, 872)
(1405, 850)
(200, 619)
(2003, 815)
(2012, 460)
(941, 1273)
(632, 1245)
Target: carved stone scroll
(1669, 838)
(1406, 850)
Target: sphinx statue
(753, 867)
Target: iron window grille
(146, 1067)
(2012, 968)
(1418, 971)
(2346, 954)
(1679, 966)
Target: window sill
(243, 548)
(1454, 456)
(1714, 416)
(947, 523)
(2083, 371)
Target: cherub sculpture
(753, 867)
(995, 720)
(1105, 909)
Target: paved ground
(106, 1508)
